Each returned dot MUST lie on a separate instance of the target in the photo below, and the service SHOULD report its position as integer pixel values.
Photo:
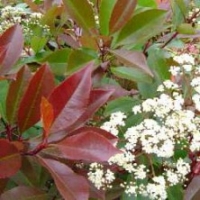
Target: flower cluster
(170, 124)
(11, 15)
(101, 178)
(116, 120)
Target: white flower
(172, 177)
(183, 168)
(184, 58)
(175, 70)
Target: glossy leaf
(11, 44)
(133, 59)
(185, 28)
(110, 137)
(15, 93)
(87, 145)
(70, 99)
(40, 86)
(82, 13)
(158, 64)
(70, 185)
(141, 27)
(25, 193)
(4, 85)
(10, 159)
(105, 12)
(58, 60)
(131, 74)
(123, 104)
(47, 115)
(83, 56)
(97, 98)
(121, 14)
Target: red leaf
(112, 139)
(88, 145)
(70, 185)
(70, 99)
(10, 159)
(122, 12)
(40, 86)
(192, 188)
(47, 115)
(97, 99)
(23, 193)
(11, 43)
(15, 93)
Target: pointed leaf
(10, 159)
(47, 115)
(15, 93)
(96, 100)
(121, 14)
(87, 145)
(133, 59)
(40, 86)
(24, 193)
(105, 12)
(12, 42)
(70, 185)
(70, 99)
(82, 13)
(131, 74)
(141, 27)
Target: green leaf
(186, 28)
(157, 62)
(123, 104)
(78, 58)
(38, 43)
(82, 13)
(121, 14)
(148, 90)
(3, 93)
(131, 74)
(147, 3)
(58, 60)
(141, 27)
(179, 10)
(175, 192)
(105, 12)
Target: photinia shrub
(99, 99)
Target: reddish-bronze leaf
(133, 59)
(70, 99)
(40, 86)
(97, 98)
(10, 159)
(15, 93)
(47, 115)
(24, 193)
(88, 145)
(112, 139)
(122, 12)
(11, 44)
(70, 185)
